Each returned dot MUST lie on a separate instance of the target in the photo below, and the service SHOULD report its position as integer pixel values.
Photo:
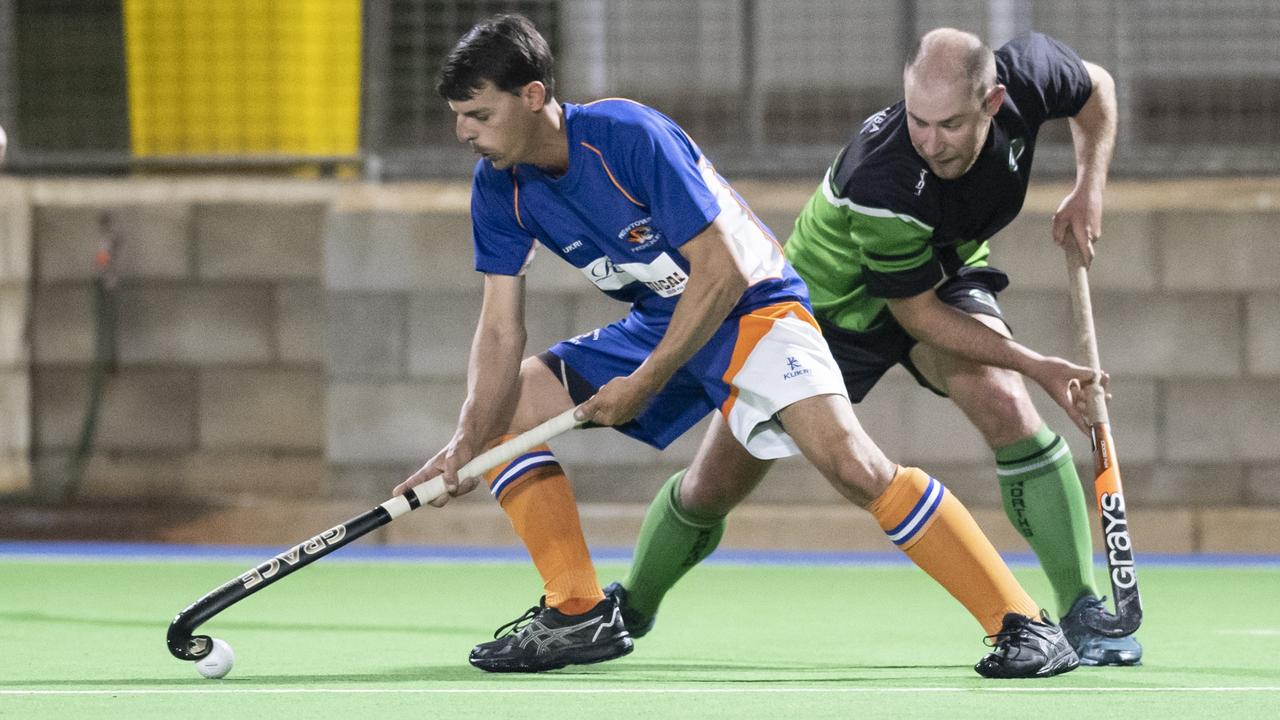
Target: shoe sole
(1094, 656)
(1064, 663)
(589, 655)
(1112, 659)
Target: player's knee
(860, 481)
(710, 495)
(1003, 402)
(540, 396)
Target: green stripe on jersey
(834, 239)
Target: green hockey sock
(672, 540)
(1044, 501)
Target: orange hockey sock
(936, 531)
(535, 494)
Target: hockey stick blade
(1115, 541)
(184, 645)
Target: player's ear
(534, 95)
(995, 98)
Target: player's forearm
(932, 322)
(706, 301)
(493, 373)
(1093, 132)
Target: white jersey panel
(756, 252)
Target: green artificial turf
(374, 640)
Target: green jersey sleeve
(852, 257)
(896, 253)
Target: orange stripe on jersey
(515, 200)
(752, 328)
(609, 172)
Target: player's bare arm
(492, 378)
(935, 323)
(1093, 134)
(715, 285)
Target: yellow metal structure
(243, 77)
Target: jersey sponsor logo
(1016, 147)
(873, 124)
(640, 234)
(924, 172)
(670, 285)
(794, 369)
(571, 247)
(660, 275)
(606, 275)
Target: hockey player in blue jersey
(719, 323)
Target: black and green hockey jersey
(882, 226)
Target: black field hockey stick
(1106, 484)
(184, 646)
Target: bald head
(948, 56)
(950, 92)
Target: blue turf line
(67, 550)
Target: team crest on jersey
(640, 234)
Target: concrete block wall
(219, 389)
(15, 348)
(1185, 304)
(311, 340)
(1191, 347)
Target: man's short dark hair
(506, 50)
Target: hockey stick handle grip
(1086, 336)
(499, 454)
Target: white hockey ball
(218, 662)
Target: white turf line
(231, 689)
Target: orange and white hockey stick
(1106, 483)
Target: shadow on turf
(685, 672)
(461, 673)
(189, 679)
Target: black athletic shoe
(638, 624)
(543, 638)
(1093, 647)
(1026, 648)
